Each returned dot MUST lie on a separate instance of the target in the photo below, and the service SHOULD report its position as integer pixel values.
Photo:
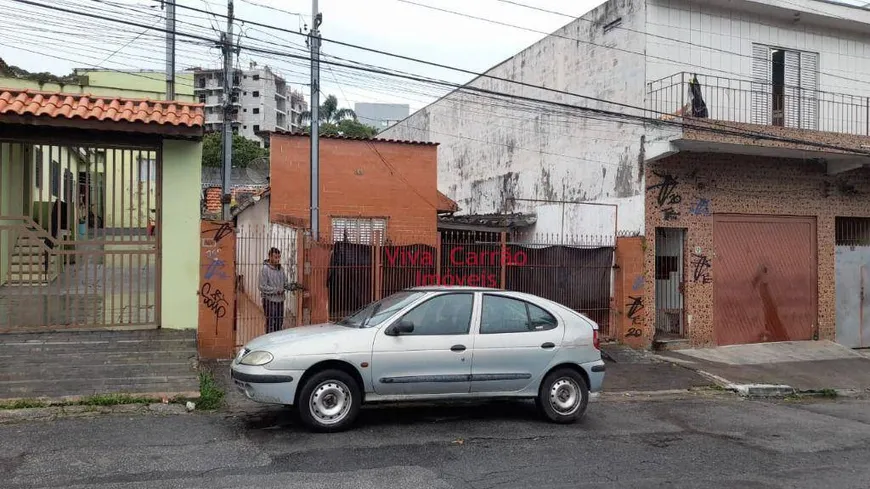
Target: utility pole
(228, 113)
(315, 121)
(170, 49)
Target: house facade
(371, 190)
(61, 269)
(750, 202)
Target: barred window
(360, 230)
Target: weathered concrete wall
(494, 150)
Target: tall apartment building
(261, 99)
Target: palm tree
(330, 113)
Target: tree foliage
(244, 150)
(329, 112)
(347, 127)
(335, 121)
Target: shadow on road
(373, 416)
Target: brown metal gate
(765, 284)
(79, 236)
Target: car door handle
(548, 345)
(457, 348)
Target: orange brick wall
(631, 328)
(217, 291)
(397, 182)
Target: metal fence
(575, 271)
(79, 236)
(746, 101)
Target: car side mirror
(400, 328)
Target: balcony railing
(750, 102)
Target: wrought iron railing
(746, 101)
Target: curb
(192, 395)
(658, 395)
(83, 411)
(775, 390)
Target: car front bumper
(267, 386)
(595, 371)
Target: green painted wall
(180, 234)
(151, 85)
(11, 199)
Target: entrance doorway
(853, 281)
(669, 269)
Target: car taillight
(595, 342)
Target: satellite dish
(258, 171)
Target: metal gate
(79, 236)
(253, 243)
(766, 282)
(853, 281)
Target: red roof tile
(347, 138)
(446, 204)
(88, 107)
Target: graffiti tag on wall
(667, 196)
(217, 281)
(700, 208)
(635, 314)
(214, 300)
(701, 269)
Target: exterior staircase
(27, 262)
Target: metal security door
(853, 282)
(765, 285)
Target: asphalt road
(718, 442)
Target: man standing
(273, 284)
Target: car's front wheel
(329, 401)
(563, 396)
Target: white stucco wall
(494, 150)
(255, 235)
(714, 38)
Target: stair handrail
(34, 230)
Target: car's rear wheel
(563, 396)
(329, 401)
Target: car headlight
(257, 358)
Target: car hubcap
(565, 396)
(330, 402)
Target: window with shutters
(360, 230)
(785, 87)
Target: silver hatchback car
(428, 343)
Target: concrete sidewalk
(634, 371)
(780, 368)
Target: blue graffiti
(215, 268)
(701, 208)
(638, 283)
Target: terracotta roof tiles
(89, 107)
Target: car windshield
(377, 312)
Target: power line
(484, 75)
(453, 68)
(705, 126)
(88, 64)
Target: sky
(42, 39)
